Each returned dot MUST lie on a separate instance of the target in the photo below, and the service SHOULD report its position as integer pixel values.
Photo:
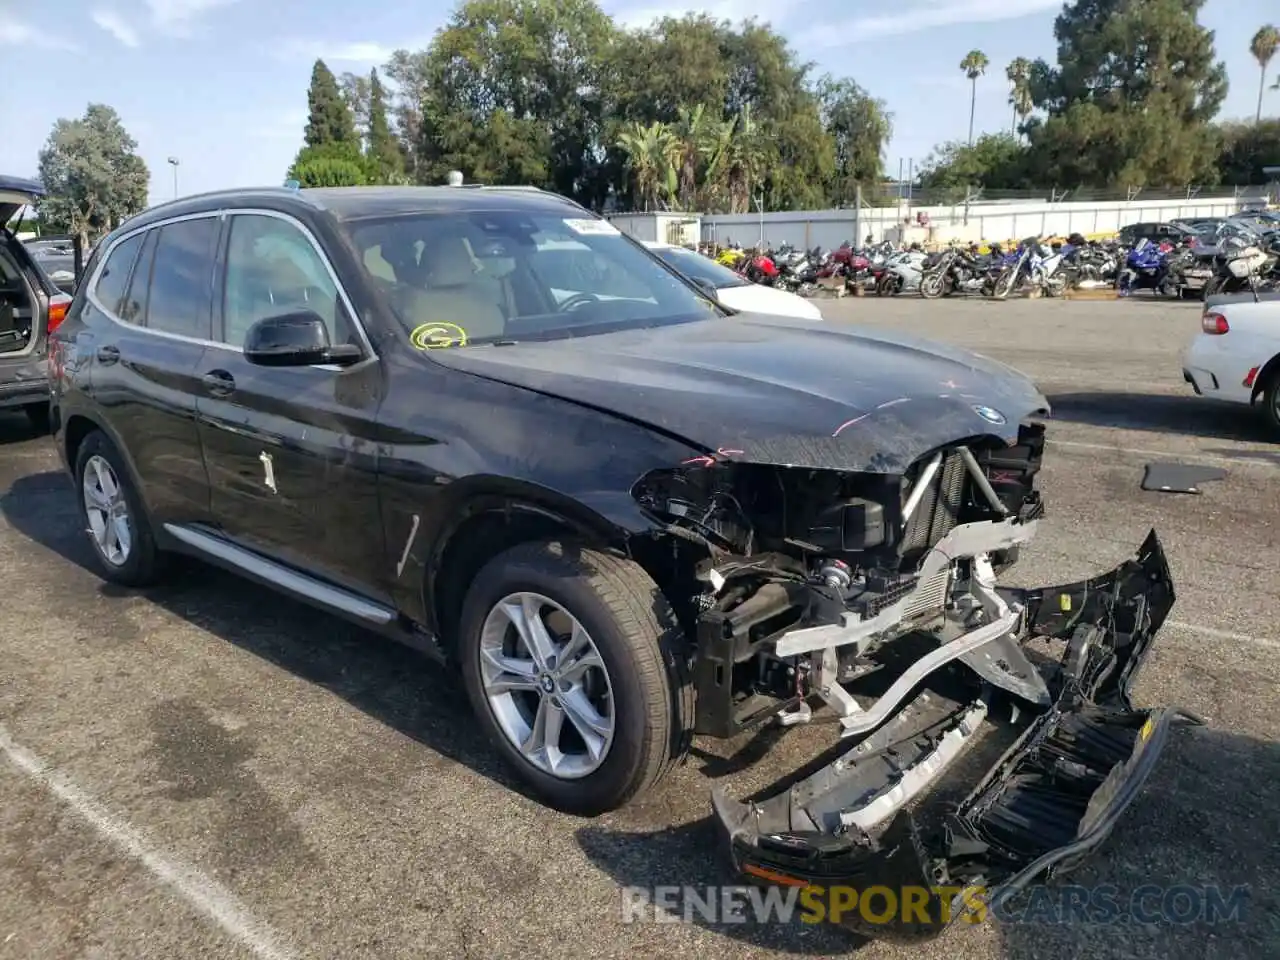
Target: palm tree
(974, 65)
(692, 130)
(743, 161)
(1019, 76)
(652, 154)
(1263, 46)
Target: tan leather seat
(448, 286)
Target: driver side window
(273, 269)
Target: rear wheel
(572, 660)
(1271, 404)
(113, 516)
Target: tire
(1055, 286)
(1004, 285)
(1271, 404)
(39, 416)
(640, 644)
(138, 565)
(932, 286)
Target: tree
(329, 122)
(1126, 113)
(1018, 74)
(974, 65)
(859, 126)
(1246, 149)
(653, 152)
(1264, 45)
(92, 174)
(356, 93)
(997, 161)
(386, 163)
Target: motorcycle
(1239, 268)
(902, 273)
(955, 271)
(1033, 263)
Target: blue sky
(221, 84)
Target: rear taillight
(58, 307)
(1214, 323)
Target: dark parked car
(484, 422)
(30, 306)
(1174, 233)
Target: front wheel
(1004, 285)
(932, 285)
(572, 660)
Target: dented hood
(771, 389)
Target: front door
(156, 289)
(291, 451)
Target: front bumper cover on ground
(901, 809)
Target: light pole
(173, 161)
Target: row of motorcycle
(1052, 268)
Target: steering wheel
(576, 301)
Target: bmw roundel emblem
(989, 414)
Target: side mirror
(295, 340)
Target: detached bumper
(23, 380)
(901, 812)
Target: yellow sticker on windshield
(438, 336)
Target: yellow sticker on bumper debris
(1145, 733)
(1064, 602)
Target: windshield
(697, 267)
(461, 278)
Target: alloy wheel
(546, 685)
(107, 511)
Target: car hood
(755, 298)
(15, 193)
(777, 390)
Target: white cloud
(178, 17)
(116, 25)
(14, 33)
(938, 14)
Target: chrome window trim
(224, 214)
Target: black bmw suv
(483, 421)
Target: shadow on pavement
(1204, 828)
(1190, 416)
(15, 427)
(393, 684)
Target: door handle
(219, 383)
(109, 353)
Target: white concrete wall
(990, 220)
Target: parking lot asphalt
(211, 771)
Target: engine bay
(797, 579)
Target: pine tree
(385, 158)
(330, 123)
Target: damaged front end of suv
(985, 732)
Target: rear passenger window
(109, 290)
(181, 293)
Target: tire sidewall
(605, 787)
(137, 565)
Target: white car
(1236, 355)
(732, 289)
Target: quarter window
(273, 269)
(181, 293)
(133, 309)
(109, 290)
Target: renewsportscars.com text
(1103, 904)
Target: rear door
(146, 358)
(291, 451)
